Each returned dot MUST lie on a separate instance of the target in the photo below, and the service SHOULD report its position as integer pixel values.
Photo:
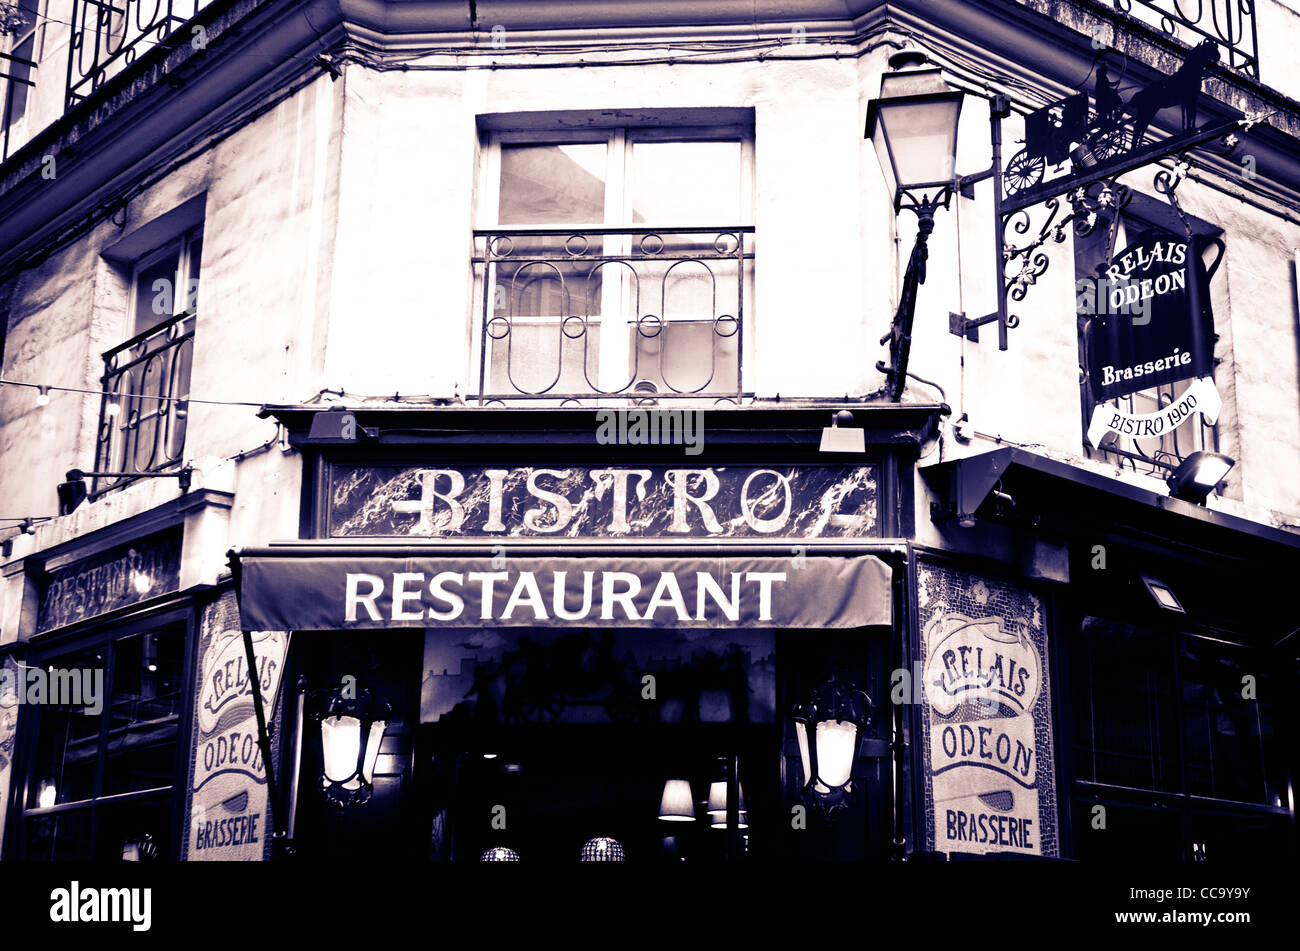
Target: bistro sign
(574, 501)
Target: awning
(334, 588)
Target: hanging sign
(342, 591)
(1201, 397)
(1153, 324)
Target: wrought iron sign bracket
(1100, 147)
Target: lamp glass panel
(837, 742)
(801, 731)
(372, 749)
(341, 743)
(923, 137)
(882, 154)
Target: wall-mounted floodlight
(1198, 475)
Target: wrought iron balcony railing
(143, 413)
(109, 35)
(1230, 23)
(593, 315)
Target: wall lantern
(1198, 475)
(351, 731)
(677, 803)
(829, 726)
(913, 126)
(499, 854)
(602, 849)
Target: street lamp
(913, 126)
(351, 728)
(829, 726)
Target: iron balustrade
(148, 379)
(1230, 23)
(545, 294)
(109, 35)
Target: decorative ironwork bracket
(1099, 156)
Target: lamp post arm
(900, 331)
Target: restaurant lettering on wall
(581, 502)
(113, 579)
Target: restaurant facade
(557, 433)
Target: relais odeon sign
(1153, 326)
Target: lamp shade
(499, 854)
(602, 849)
(913, 126)
(718, 798)
(720, 822)
(677, 803)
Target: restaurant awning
(307, 587)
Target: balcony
(109, 35)
(608, 316)
(1230, 23)
(143, 413)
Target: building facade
(453, 365)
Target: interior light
(677, 804)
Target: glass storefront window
(118, 739)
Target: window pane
(1229, 739)
(195, 257)
(67, 746)
(16, 105)
(137, 831)
(685, 183)
(541, 357)
(155, 291)
(145, 710)
(687, 356)
(1125, 714)
(552, 184)
(64, 837)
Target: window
(18, 65)
(616, 260)
(103, 771)
(1155, 455)
(142, 423)
(1174, 737)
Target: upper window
(147, 378)
(17, 68)
(615, 261)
